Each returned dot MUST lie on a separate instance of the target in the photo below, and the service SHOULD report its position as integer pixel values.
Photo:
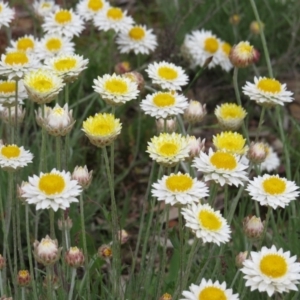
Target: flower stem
(43, 165)
(51, 217)
(16, 115)
(49, 283)
(265, 226)
(73, 276)
(234, 204)
(58, 152)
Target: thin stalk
(58, 152)
(23, 293)
(234, 204)
(15, 242)
(43, 166)
(21, 256)
(261, 120)
(16, 115)
(235, 278)
(73, 276)
(206, 263)
(112, 152)
(49, 283)
(1, 284)
(11, 130)
(265, 226)
(213, 193)
(194, 79)
(67, 93)
(181, 250)
(51, 217)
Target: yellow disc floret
(51, 184)
(274, 185)
(179, 182)
(223, 160)
(10, 151)
(209, 220)
(273, 265)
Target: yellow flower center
(100, 125)
(211, 45)
(245, 48)
(223, 160)
(167, 73)
(25, 44)
(212, 293)
(0, 8)
(209, 220)
(168, 149)
(7, 87)
(269, 85)
(16, 58)
(226, 48)
(10, 151)
(53, 44)
(23, 273)
(137, 33)
(230, 141)
(115, 13)
(63, 16)
(274, 185)
(95, 5)
(164, 99)
(41, 83)
(46, 5)
(116, 86)
(58, 111)
(65, 64)
(52, 184)
(179, 183)
(273, 265)
(232, 111)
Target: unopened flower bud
(257, 152)
(46, 252)
(256, 27)
(240, 258)
(170, 125)
(122, 67)
(2, 262)
(235, 19)
(105, 251)
(123, 236)
(23, 278)
(39, 115)
(20, 191)
(65, 223)
(166, 296)
(74, 257)
(242, 55)
(253, 227)
(83, 176)
(196, 146)
(137, 78)
(195, 112)
(11, 120)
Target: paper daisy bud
(230, 116)
(138, 39)
(207, 224)
(20, 191)
(64, 22)
(123, 236)
(179, 189)
(272, 190)
(52, 190)
(231, 142)
(65, 223)
(89, 9)
(167, 75)
(240, 258)
(46, 252)
(42, 86)
(74, 257)
(235, 19)
(122, 67)
(196, 146)
(113, 18)
(102, 129)
(52, 45)
(83, 176)
(256, 27)
(2, 262)
(67, 66)
(170, 125)
(168, 149)
(224, 62)
(137, 78)
(43, 8)
(13, 157)
(115, 89)
(267, 92)
(272, 160)
(257, 152)
(8, 89)
(14, 64)
(166, 296)
(164, 104)
(11, 120)
(23, 278)
(105, 252)
(209, 290)
(222, 167)
(195, 112)
(7, 14)
(272, 270)
(39, 115)
(253, 227)
(242, 55)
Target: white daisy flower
(8, 90)
(267, 91)
(115, 89)
(179, 189)
(271, 161)
(14, 64)
(207, 224)
(224, 57)
(272, 190)
(27, 43)
(222, 167)
(54, 45)
(64, 22)
(67, 66)
(6, 14)
(13, 157)
(51, 190)
(164, 104)
(272, 270)
(88, 9)
(167, 75)
(168, 149)
(113, 18)
(208, 290)
(137, 39)
(43, 8)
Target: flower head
(105, 251)
(26, 43)
(242, 55)
(52, 190)
(83, 176)
(240, 258)
(43, 8)
(272, 270)
(8, 115)
(6, 14)
(195, 112)
(196, 146)
(224, 62)
(256, 27)
(272, 190)
(257, 152)
(89, 9)
(8, 89)
(271, 161)
(179, 189)
(74, 257)
(23, 278)
(253, 227)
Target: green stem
(72, 284)
(208, 260)
(58, 152)
(234, 204)
(16, 115)
(49, 282)
(1, 284)
(19, 235)
(51, 217)
(67, 93)
(23, 293)
(213, 193)
(261, 120)
(235, 278)
(194, 79)
(265, 226)
(15, 242)
(43, 165)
